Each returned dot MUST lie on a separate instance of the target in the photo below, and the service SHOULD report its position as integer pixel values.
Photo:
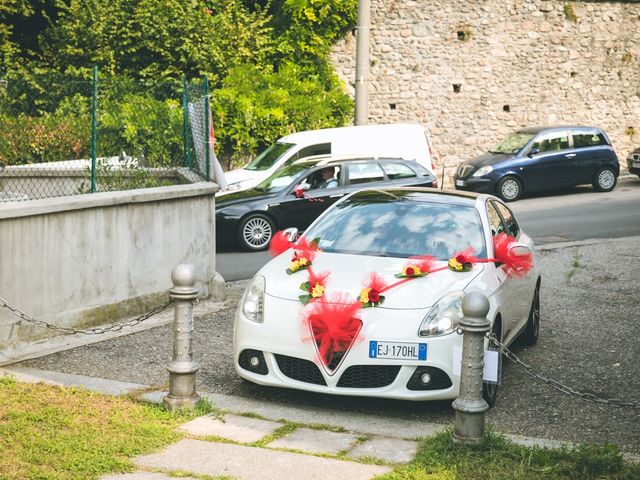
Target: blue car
(536, 159)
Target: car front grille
(299, 369)
(464, 171)
(368, 376)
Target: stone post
(470, 405)
(182, 369)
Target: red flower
(461, 259)
(410, 271)
(374, 296)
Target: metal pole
(362, 62)
(185, 124)
(94, 129)
(470, 406)
(207, 109)
(182, 370)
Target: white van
(398, 140)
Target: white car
(346, 311)
(407, 141)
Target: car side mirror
(519, 250)
(534, 151)
(291, 233)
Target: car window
(397, 170)
(282, 178)
(510, 222)
(319, 149)
(325, 178)
(269, 157)
(494, 220)
(364, 172)
(513, 143)
(550, 142)
(391, 226)
(588, 138)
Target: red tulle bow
(466, 256)
(306, 249)
(424, 262)
(320, 278)
(334, 323)
(516, 265)
(279, 243)
(375, 282)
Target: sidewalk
(263, 440)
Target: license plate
(635, 164)
(459, 183)
(398, 350)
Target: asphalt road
(578, 214)
(588, 342)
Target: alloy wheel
(257, 232)
(510, 189)
(606, 179)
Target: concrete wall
(93, 259)
(545, 63)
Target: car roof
(536, 130)
(425, 194)
(328, 159)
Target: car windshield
(513, 143)
(269, 157)
(283, 178)
(397, 225)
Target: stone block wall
(471, 71)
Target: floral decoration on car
(333, 319)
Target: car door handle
(570, 155)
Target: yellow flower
(294, 266)
(317, 290)
(457, 266)
(364, 295)
(303, 261)
(410, 270)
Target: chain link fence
(62, 135)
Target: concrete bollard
(470, 405)
(182, 369)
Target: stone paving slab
(232, 427)
(387, 449)
(315, 441)
(143, 476)
(249, 463)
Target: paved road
(555, 217)
(588, 341)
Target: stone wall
(471, 71)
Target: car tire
(532, 330)
(605, 179)
(255, 232)
(490, 390)
(509, 189)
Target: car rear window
(588, 139)
(397, 170)
(398, 227)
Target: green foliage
(61, 135)
(254, 108)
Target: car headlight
(253, 300)
(483, 171)
(443, 317)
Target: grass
(439, 458)
(49, 432)
(575, 264)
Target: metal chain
(92, 331)
(558, 385)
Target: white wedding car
(400, 342)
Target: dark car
(633, 162)
(297, 194)
(536, 159)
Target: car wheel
(490, 390)
(605, 179)
(509, 189)
(532, 330)
(255, 232)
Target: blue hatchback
(536, 159)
